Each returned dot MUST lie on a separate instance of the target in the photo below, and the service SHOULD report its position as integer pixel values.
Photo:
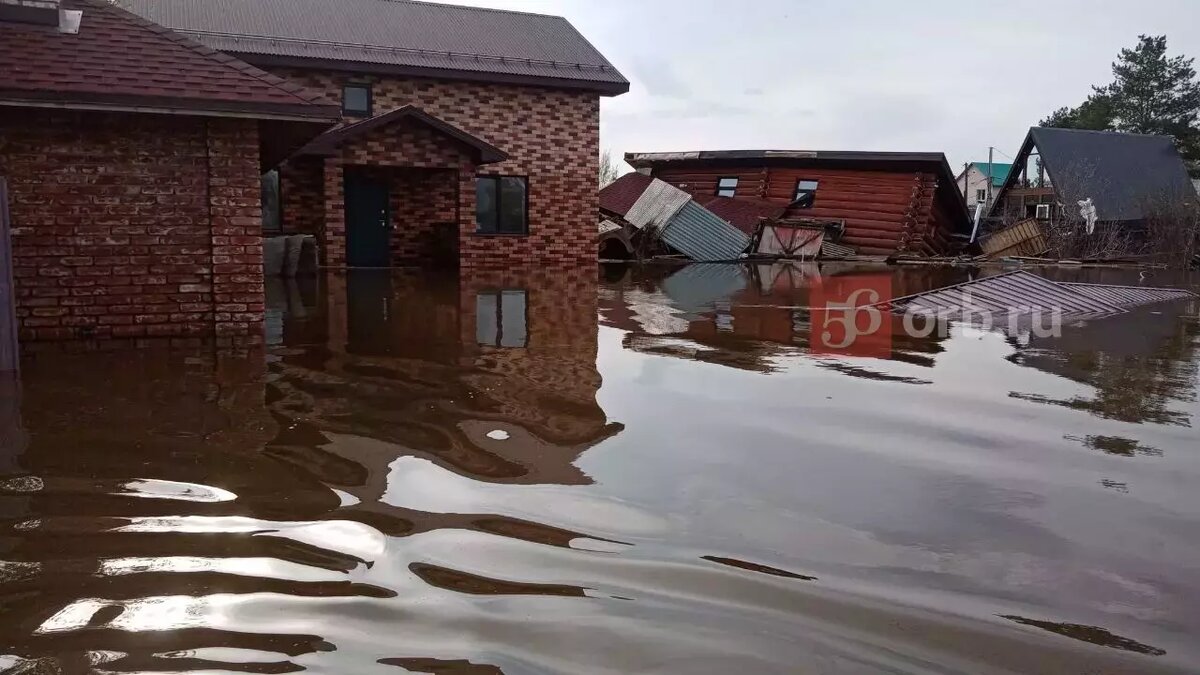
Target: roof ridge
(476, 9)
(603, 67)
(1109, 132)
(302, 94)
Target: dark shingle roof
(745, 212)
(1120, 172)
(620, 195)
(118, 59)
(413, 37)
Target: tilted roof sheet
(400, 33)
(1122, 173)
(119, 59)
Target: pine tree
(1151, 93)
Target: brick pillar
(333, 231)
(466, 214)
(235, 212)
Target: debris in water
(498, 435)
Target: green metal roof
(998, 174)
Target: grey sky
(954, 77)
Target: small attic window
(356, 100)
(805, 194)
(727, 186)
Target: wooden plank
(9, 349)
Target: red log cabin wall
(884, 211)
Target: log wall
(885, 211)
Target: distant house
(1124, 175)
(974, 181)
(889, 202)
(469, 136)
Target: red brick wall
(133, 225)
(302, 193)
(552, 137)
(421, 199)
(400, 151)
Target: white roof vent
(69, 20)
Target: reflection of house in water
(1140, 363)
(744, 316)
(428, 367)
(119, 449)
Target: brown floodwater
(618, 471)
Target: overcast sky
(924, 76)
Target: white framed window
(805, 194)
(981, 195)
(727, 186)
(1043, 212)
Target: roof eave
(267, 60)
(300, 112)
(329, 143)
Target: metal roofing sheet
(1130, 295)
(1022, 293)
(657, 205)
(702, 236)
(395, 32)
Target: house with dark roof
(132, 157)
(888, 202)
(469, 136)
(1125, 175)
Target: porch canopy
(398, 188)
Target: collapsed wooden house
(889, 202)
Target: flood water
(623, 471)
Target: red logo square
(847, 318)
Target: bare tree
(608, 169)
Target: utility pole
(966, 182)
(989, 175)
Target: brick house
(133, 159)
(469, 135)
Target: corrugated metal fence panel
(699, 234)
(9, 349)
(660, 201)
(1022, 292)
(1130, 295)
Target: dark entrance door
(368, 223)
